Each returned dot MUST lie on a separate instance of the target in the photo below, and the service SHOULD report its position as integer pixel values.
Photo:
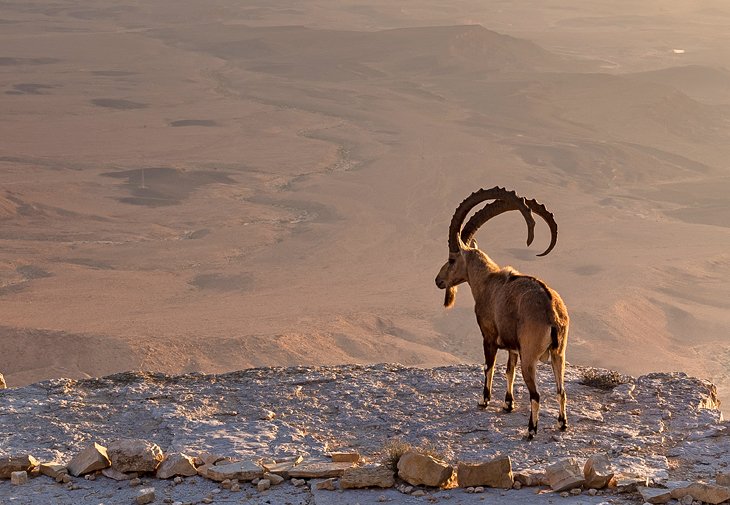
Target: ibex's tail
(554, 344)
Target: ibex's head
(454, 271)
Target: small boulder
(263, 484)
(327, 484)
(319, 470)
(113, 474)
(53, 470)
(145, 495)
(420, 469)
(345, 457)
(91, 459)
(597, 471)
(564, 475)
(19, 463)
(174, 464)
(273, 478)
(530, 478)
(134, 455)
(19, 478)
(655, 495)
(494, 473)
(242, 470)
(367, 476)
(707, 493)
(723, 479)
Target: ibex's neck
(478, 267)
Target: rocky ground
(663, 427)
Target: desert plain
(211, 186)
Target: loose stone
(19, 478)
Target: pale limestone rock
(263, 485)
(176, 464)
(494, 473)
(418, 492)
(318, 470)
(530, 478)
(298, 482)
(708, 493)
(723, 479)
(282, 467)
(655, 495)
(242, 470)
(145, 495)
(113, 474)
(134, 455)
(20, 463)
(93, 458)
(367, 476)
(327, 484)
(274, 478)
(627, 483)
(345, 457)
(420, 469)
(53, 470)
(564, 475)
(19, 478)
(203, 470)
(597, 471)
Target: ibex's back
(515, 312)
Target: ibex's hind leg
(529, 374)
(511, 369)
(490, 358)
(558, 361)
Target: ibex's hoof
(507, 407)
(483, 404)
(563, 426)
(530, 436)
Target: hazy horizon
(209, 186)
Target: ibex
(515, 312)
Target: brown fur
(515, 312)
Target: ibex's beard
(449, 297)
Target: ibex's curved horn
(502, 197)
(496, 208)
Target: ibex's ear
(473, 244)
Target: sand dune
(212, 186)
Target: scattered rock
(345, 457)
(597, 471)
(655, 495)
(282, 467)
(628, 483)
(723, 479)
(367, 476)
(564, 475)
(263, 485)
(273, 478)
(134, 455)
(246, 470)
(421, 469)
(686, 500)
(19, 478)
(708, 493)
(495, 473)
(91, 459)
(114, 474)
(530, 478)
(174, 464)
(177, 480)
(418, 492)
(318, 470)
(517, 485)
(135, 482)
(10, 464)
(478, 489)
(576, 491)
(298, 482)
(145, 495)
(53, 470)
(327, 484)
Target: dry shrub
(603, 379)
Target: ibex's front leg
(511, 369)
(490, 358)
